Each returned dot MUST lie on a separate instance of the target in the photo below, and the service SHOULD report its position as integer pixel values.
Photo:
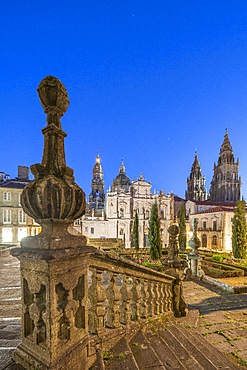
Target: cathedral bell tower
(226, 183)
(196, 183)
(97, 196)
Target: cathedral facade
(124, 199)
(214, 213)
(226, 183)
(196, 183)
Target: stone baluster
(116, 303)
(149, 299)
(133, 302)
(123, 301)
(126, 292)
(160, 297)
(101, 297)
(143, 298)
(155, 298)
(109, 318)
(138, 298)
(169, 297)
(164, 297)
(92, 305)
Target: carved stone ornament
(53, 198)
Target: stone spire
(196, 182)
(53, 198)
(97, 196)
(226, 183)
(122, 167)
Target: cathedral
(196, 183)
(226, 183)
(214, 213)
(110, 215)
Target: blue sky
(149, 81)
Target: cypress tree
(154, 233)
(239, 231)
(182, 240)
(136, 232)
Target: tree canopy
(182, 239)
(154, 233)
(239, 231)
(136, 232)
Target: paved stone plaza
(222, 320)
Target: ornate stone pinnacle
(53, 198)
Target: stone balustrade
(121, 292)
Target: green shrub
(217, 257)
(215, 270)
(153, 265)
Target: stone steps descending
(175, 347)
(212, 352)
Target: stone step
(187, 342)
(179, 351)
(144, 354)
(122, 357)
(206, 347)
(174, 348)
(165, 354)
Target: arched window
(214, 240)
(204, 241)
(121, 213)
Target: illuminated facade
(122, 202)
(196, 182)
(226, 183)
(14, 223)
(214, 224)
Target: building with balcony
(214, 227)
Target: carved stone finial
(53, 198)
(54, 99)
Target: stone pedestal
(54, 309)
(194, 266)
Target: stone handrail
(121, 292)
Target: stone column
(53, 263)
(194, 266)
(176, 268)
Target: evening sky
(148, 81)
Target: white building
(122, 201)
(14, 223)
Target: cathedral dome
(122, 181)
